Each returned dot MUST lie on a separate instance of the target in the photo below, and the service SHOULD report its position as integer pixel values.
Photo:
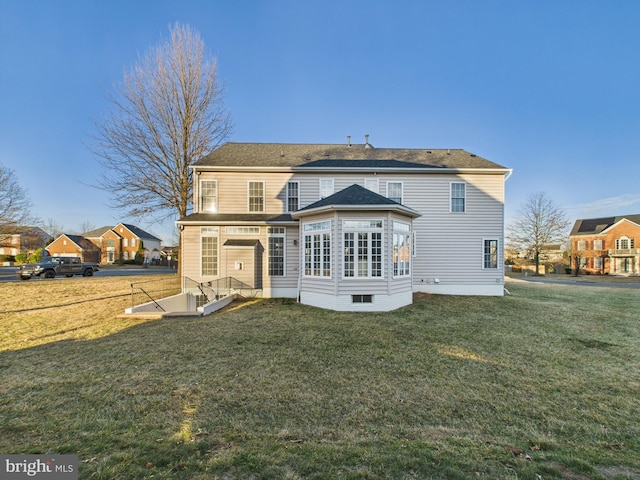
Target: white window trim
(242, 230)
(375, 181)
(200, 203)
(320, 228)
(451, 197)
(401, 190)
(409, 234)
(287, 195)
(498, 261)
(380, 230)
(282, 235)
(264, 193)
(333, 187)
(215, 232)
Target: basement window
(361, 298)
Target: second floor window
(208, 196)
(458, 197)
(326, 187)
(394, 191)
(256, 196)
(293, 196)
(597, 245)
(624, 243)
(371, 184)
(582, 244)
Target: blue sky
(550, 89)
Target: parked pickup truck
(49, 267)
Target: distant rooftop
(594, 226)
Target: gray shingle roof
(288, 155)
(353, 197)
(594, 226)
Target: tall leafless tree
(15, 205)
(168, 112)
(540, 222)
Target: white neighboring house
(347, 227)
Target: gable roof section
(595, 226)
(290, 156)
(138, 232)
(355, 197)
(98, 232)
(79, 240)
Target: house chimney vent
(348, 140)
(366, 139)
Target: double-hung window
(490, 254)
(209, 250)
(401, 249)
(276, 237)
(326, 187)
(256, 196)
(458, 197)
(293, 196)
(394, 191)
(372, 184)
(362, 248)
(317, 249)
(209, 196)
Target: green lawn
(541, 384)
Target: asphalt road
(8, 274)
(591, 281)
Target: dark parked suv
(49, 267)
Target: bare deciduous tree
(15, 205)
(168, 112)
(540, 222)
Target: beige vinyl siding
(449, 245)
(191, 255)
(233, 190)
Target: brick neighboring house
(121, 243)
(113, 244)
(74, 246)
(15, 240)
(607, 245)
(346, 226)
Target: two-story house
(607, 245)
(108, 245)
(346, 227)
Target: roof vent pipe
(366, 139)
(348, 140)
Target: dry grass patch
(43, 311)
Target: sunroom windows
(317, 249)
(363, 249)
